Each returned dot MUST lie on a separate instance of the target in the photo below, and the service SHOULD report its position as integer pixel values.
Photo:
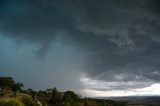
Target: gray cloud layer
(117, 37)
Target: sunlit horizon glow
(91, 86)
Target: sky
(97, 48)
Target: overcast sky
(94, 47)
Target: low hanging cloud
(120, 39)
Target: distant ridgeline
(12, 94)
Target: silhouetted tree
(32, 93)
(17, 87)
(6, 83)
(70, 98)
(56, 97)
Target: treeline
(11, 92)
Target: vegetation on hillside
(12, 94)
(10, 102)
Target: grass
(10, 102)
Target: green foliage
(17, 87)
(70, 96)
(10, 102)
(6, 82)
(56, 96)
(89, 102)
(28, 102)
(71, 99)
(78, 104)
(31, 92)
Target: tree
(6, 82)
(17, 87)
(56, 97)
(32, 93)
(70, 98)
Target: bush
(28, 102)
(77, 104)
(10, 102)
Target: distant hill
(134, 98)
(137, 100)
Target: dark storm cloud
(117, 36)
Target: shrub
(10, 102)
(28, 102)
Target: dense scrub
(10, 102)
(12, 94)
